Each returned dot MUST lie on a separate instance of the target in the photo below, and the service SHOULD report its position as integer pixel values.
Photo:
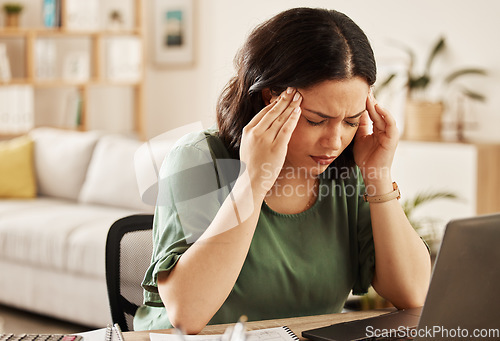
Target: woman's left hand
(374, 152)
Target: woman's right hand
(264, 143)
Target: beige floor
(18, 322)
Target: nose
(332, 137)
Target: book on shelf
(17, 109)
(5, 73)
(124, 59)
(82, 14)
(51, 13)
(45, 59)
(71, 115)
(76, 67)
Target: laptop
(463, 301)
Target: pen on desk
(109, 331)
(118, 332)
(179, 333)
(239, 331)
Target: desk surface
(296, 324)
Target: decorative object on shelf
(462, 122)
(423, 120)
(76, 67)
(115, 20)
(423, 115)
(173, 33)
(12, 13)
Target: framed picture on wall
(173, 32)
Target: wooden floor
(19, 322)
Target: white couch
(52, 246)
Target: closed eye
(347, 120)
(352, 124)
(315, 124)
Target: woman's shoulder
(206, 140)
(194, 149)
(196, 139)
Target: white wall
(178, 96)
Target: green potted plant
(426, 227)
(422, 115)
(12, 12)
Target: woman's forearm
(402, 262)
(205, 274)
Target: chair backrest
(129, 247)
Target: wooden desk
(296, 324)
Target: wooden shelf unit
(97, 77)
(469, 170)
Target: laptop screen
(463, 301)
(464, 295)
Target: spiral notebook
(270, 334)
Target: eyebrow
(326, 116)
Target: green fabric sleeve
(188, 200)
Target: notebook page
(269, 334)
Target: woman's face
(330, 117)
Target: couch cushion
(57, 234)
(111, 178)
(17, 174)
(61, 160)
(150, 156)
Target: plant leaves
(473, 95)
(454, 75)
(421, 198)
(385, 83)
(411, 55)
(435, 51)
(418, 83)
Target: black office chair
(128, 253)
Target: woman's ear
(267, 96)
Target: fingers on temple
(381, 117)
(277, 115)
(364, 125)
(389, 121)
(284, 115)
(257, 118)
(375, 116)
(286, 129)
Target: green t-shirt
(298, 264)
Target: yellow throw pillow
(17, 173)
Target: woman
(292, 234)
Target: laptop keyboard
(39, 337)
